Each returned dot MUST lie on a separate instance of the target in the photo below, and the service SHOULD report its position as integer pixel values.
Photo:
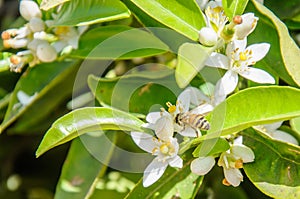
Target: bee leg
(198, 132)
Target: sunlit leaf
(234, 7)
(180, 15)
(48, 4)
(86, 120)
(78, 13)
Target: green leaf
(191, 59)
(250, 107)
(284, 9)
(75, 12)
(183, 16)
(4, 104)
(181, 183)
(211, 147)
(234, 7)
(271, 30)
(78, 181)
(276, 168)
(43, 87)
(136, 92)
(295, 124)
(86, 120)
(48, 4)
(118, 42)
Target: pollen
(61, 30)
(243, 56)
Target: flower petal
(272, 127)
(144, 141)
(202, 165)
(233, 176)
(243, 152)
(257, 75)
(219, 94)
(228, 82)
(176, 162)
(259, 51)
(152, 117)
(202, 109)
(183, 100)
(283, 136)
(218, 60)
(234, 45)
(247, 26)
(46, 53)
(188, 132)
(197, 97)
(164, 128)
(153, 172)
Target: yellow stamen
(238, 164)
(164, 149)
(243, 56)
(171, 107)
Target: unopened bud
(5, 35)
(46, 53)
(207, 36)
(29, 9)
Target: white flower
(238, 60)
(68, 36)
(215, 17)
(272, 130)
(15, 43)
(36, 24)
(161, 123)
(202, 165)
(165, 152)
(247, 26)
(232, 160)
(29, 9)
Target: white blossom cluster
(38, 40)
(237, 59)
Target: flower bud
(15, 43)
(207, 36)
(46, 53)
(36, 24)
(29, 9)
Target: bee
(196, 121)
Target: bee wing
(202, 109)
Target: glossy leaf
(284, 9)
(75, 12)
(48, 4)
(211, 147)
(276, 168)
(295, 124)
(85, 120)
(137, 92)
(234, 7)
(77, 180)
(253, 106)
(118, 42)
(37, 90)
(180, 15)
(181, 183)
(282, 57)
(191, 59)
(4, 104)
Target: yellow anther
(243, 56)
(61, 30)
(225, 182)
(171, 107)
(238, 164)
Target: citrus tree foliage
(157, 99)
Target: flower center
(167, 148)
